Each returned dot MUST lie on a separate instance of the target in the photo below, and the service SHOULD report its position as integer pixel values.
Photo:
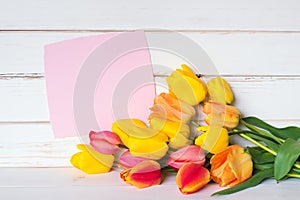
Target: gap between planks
(222, 31)
(7, 76)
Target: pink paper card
(93, 81)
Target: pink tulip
(127, 160)
(188, 154)
(105, 142)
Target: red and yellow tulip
(192, 177)
(144, 174)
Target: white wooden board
(272, 98)
(66, 183)
(279, 15)
(234, 53)
(254, 44)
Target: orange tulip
(231, 166)
(167, 106)
(144, 174)
(221, 115)
(192, 177)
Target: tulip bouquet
(172, 139)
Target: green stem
(258, 144)
(293, 175)
(262, 132)
(263, 147)
(195, 123)
(297, 165)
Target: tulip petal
(192, 177)
(231, 166)
(186, 86)
(179, 141)
(127, 160)
(144, 174)
(189, 154)
(103, 146)
(219, 90)
(167, 106)
(91, 161)
(214, 140)
(105, 135)
(152, 149)
(170, 128)
(123, 127)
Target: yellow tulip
(219, 90)
(231, 166)
(214, 138)
(142, 141)
(136, 129)
(170, 128)
(179, 141)
(124, 126)
(91, 161)
(186, 86)
(147, 148)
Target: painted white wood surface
(69, 183)
(234, 53)
(25, 99)
(254, 44)
(280, 15)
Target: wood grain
(133, 14)
(66, 183)
(272, 98)
(234, 53)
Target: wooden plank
(281, 15)
(65, 183)
(234, 53)
(25, 145)
(33, 145)
(24, 99)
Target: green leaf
(264, 166)
(288, 154)
(260, 156)
(284, 133)
(256, 179)
(272, 145)
(259, 131)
